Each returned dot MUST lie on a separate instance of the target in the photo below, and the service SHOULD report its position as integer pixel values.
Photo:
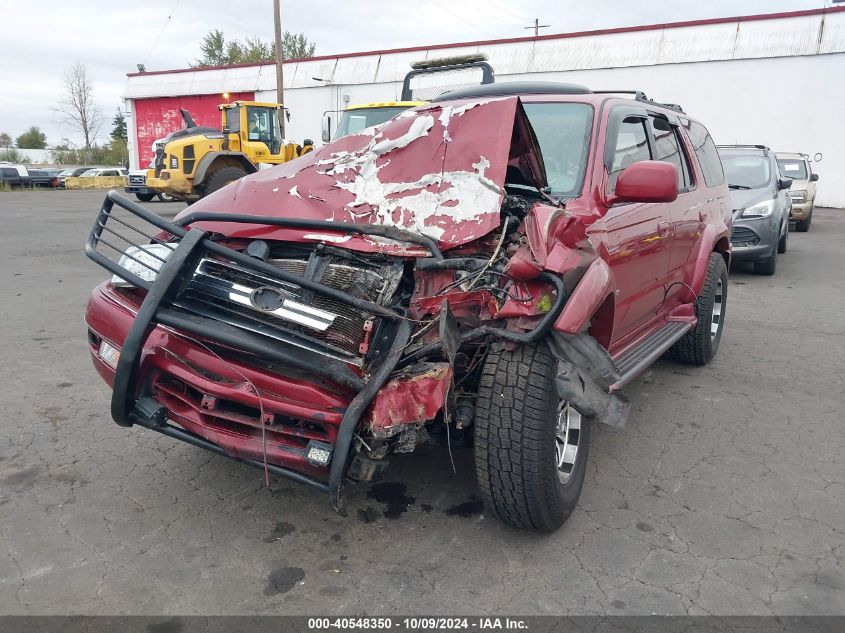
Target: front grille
(137, 180)
(225, 291)
(229, 416)
(743, 236)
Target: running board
(637, 359)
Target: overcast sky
(42, 39)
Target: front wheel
(768, 266)
(802, 226)
(223, 177)
(530, 447)
(164, 197)
(145, 197)
(783, 240)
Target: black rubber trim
(201, 442)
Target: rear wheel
(530, 447)
(165, 197)
(223, 177)
(698, 346)
(145, 197)
(802, 226)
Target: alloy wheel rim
(567, 438)
(718, 304)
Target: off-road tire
(768, 266)
(698, 346)
(802, 226)
(782, 242)
(515, 428)
(145, 197)
(223, 177)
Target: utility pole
(537, 26)
(280, 58)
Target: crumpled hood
(438, 170)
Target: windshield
(90, 172)
(352, 121)
(747, 172)
(263, 126)
(563, 131)
(67, 172)
(794, 168)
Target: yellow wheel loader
(197, 161)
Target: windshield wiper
(738, 187)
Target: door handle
(662, 228)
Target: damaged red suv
(496, 265)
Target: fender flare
(590, 293)
(705, 248)
(206, 161)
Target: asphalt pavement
(725, 493)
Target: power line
(462, 19)
(164, 26)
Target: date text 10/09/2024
(417, 623)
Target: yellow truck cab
(363, 115)
(426, 80)
(196, 161)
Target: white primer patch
(337, 239)
(293, 192)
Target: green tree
(11, 155)
(297, 46)
(118, 132)
(216, 51)
(33, 138)
(5, 140)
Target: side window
(705, 151)
(668, 149)
(631, 147)
(11, 173)
(233, 119)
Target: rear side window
(6, 171)
(705, 151)
(667, 149)
(631, 147)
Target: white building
(775, 79)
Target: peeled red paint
(438, 170)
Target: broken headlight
(144, 261)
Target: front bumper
(142, 189)
(800, 210)
(753, 240)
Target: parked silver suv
(761, 205)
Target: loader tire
(223, 177)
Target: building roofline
(514, 40)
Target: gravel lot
(725, 494)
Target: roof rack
(764, 148)
(639, 95)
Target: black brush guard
(176, 272)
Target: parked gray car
(761, 205)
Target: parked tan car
(803, 189)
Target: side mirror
(326, 129)
(784, 183)
(647, 181)
(814, 177)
